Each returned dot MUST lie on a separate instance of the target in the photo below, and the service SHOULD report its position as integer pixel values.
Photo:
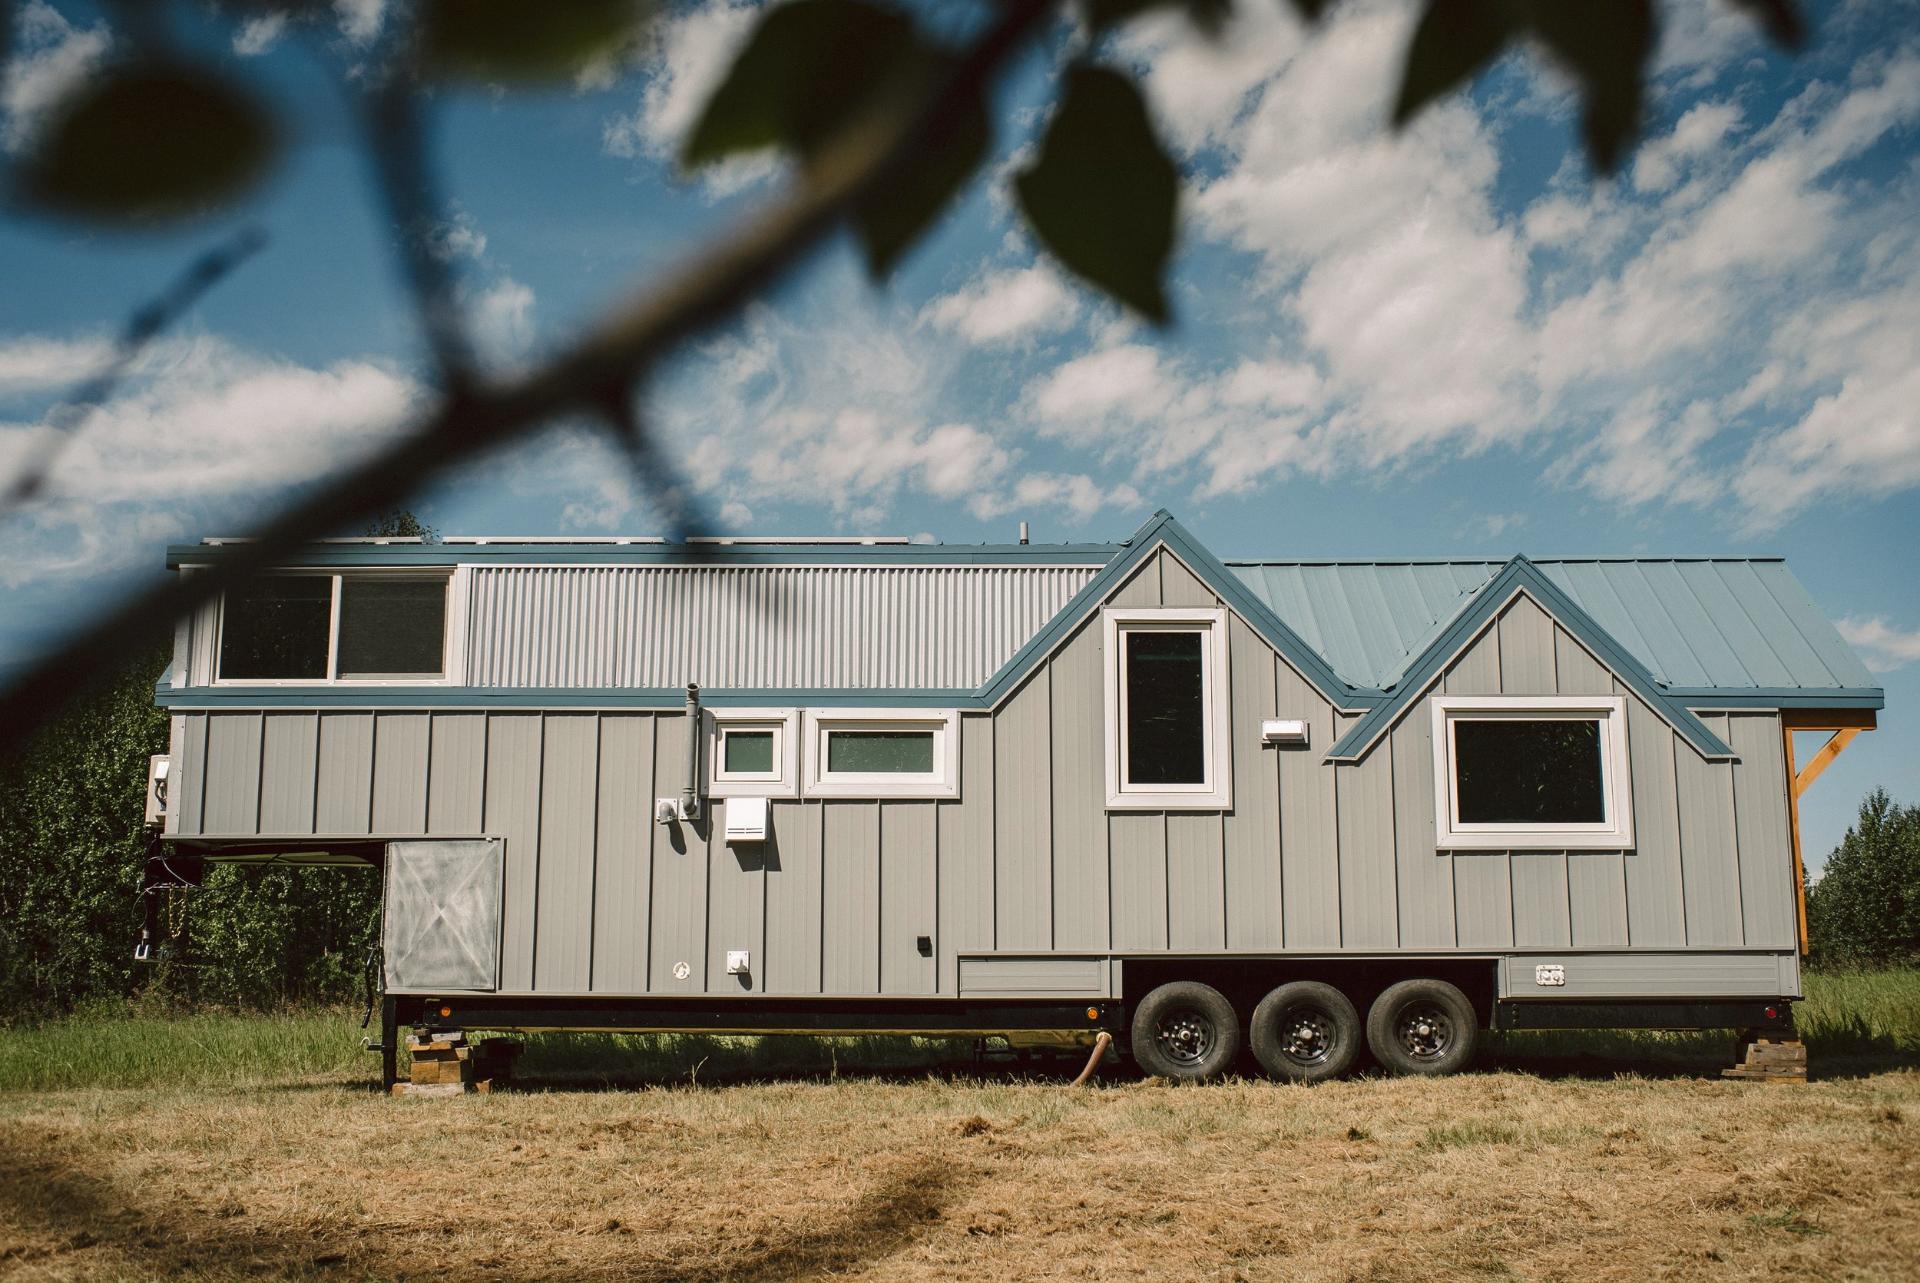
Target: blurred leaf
(1781, 20)
(1208, 15)
(914, 195)
(1606, 43)
(148, 142)
(1312, 9)
(520, 39)
(1454, 40)
(1101, 196)
(804, 71)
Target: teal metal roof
(1698, 624)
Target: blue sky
(1452, 341)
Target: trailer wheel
(1305, 1031)
(1423, 1027)
(1185, 1031)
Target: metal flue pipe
(690, 792)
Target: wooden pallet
(1770, 1060)
(445, 1064)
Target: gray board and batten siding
(1026, 883)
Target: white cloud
(52, 57)
(202, 427)
(1659, 162)
(1886, 646)
(258, 34)
(685, 62)
(1003, 307)
(360, 20)
(501, 316)
(33, 363)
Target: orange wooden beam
(1822, 759)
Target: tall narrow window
(1167, 746)
(277, 628)
(1166, 707)
(1531, 771)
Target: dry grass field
(719, 1160)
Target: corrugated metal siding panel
(966, 853)
(793, 885)
(1023, 819)
(736, 907)
(513, 813)
(343, 788)
(1251, 831)
(1196, 883)
(457, 773)
(288, 748)
(623, 853)
(909, 834)
(1078, 767)
(1424, 875)
(850, 898)
(1656, 893)
(233, 773)
(400, 762)
(757, 626)
(1767, 894)
(1651, 975)
(1309, 826)
(569, 778)
(1597, 896)
(1710, 866)
(677, 913)
(1540, 912)
(1137, 842)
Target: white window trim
(1615, 833)
(784, 781)
(453, 626)
(1215, 793)
(942, 781)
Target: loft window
(278, 627)
(1515, 771)
(392, 627)
(1166, 699)
(316, 628)
(883, 753)
(751, 752)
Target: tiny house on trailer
(871, 785)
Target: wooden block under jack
(438, 1071)
(483, 1087)
(1771, 1060)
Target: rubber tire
(1264, 1031)
(1203, 1000)
(1385, 1014)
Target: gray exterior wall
(1028, 861)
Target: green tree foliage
(72, 849)
(1865, 909)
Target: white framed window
(1544, 771)
(302, 628)
(1166, 709)
(907, 752)
(752, 752)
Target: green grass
(1853, 1022)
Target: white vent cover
(746, 819)
(1283, 731)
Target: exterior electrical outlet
(1027, 787)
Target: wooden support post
(1843, 724)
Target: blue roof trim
(202, 698)
(656, 554)
(1521, 575)
(1161, 530)
(1777, 697)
